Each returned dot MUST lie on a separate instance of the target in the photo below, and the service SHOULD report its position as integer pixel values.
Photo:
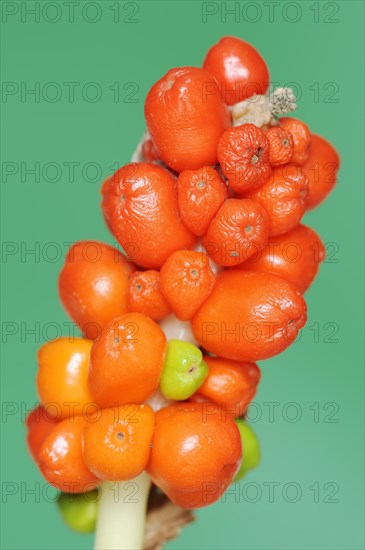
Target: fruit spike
(191, 230)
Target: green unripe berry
(250, 449)
(184, 370)
(79, 511)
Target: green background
(321, 453)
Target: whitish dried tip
(255, 110)
(262, 110)
(283, 101)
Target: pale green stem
(122, 514)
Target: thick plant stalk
(122, 514)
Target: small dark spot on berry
(120, 436)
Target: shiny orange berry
(60, 458)
(200, 193)
(140, 208)
(243, 152)
(186, 117)
(301, 138)
(62, 375)
(284, 198)
(239, 69)
(249, 316)
(92, 285)
(126, 361)
(240, 229)
(281, 146)
(186, 281)
(196, 451)
(117, 445)
(39, 424)
(321, 168)
(230, 384)
(144, 295)
(149, 153)
(295, 256)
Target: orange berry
(149, 153)
(196, 451)
(240, 228)
(60, 458)
(243, 152)
(321, 168)
(229, 384)
(140, 208)
(295, 256)
(239, 69)
(127, 361)
(144, 295)
(281, 145)
(200, 194)
(186, 281)
(301, 138)
(92, 285)
(62, 375)
(249, 316)
(117, 445)
(186, 117)
(39, 425)
(284, 197)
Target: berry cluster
(208, 218)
